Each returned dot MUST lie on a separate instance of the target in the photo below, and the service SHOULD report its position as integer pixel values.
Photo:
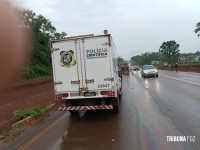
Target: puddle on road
(82, 113)
(89, 129)
(57, 144)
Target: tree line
(168, 52)
(41, 30)
(148, 57)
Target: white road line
(186, 81)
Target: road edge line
(41, 133)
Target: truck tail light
(60, 96)
(104, 92)
(109, 93)
(65, 95)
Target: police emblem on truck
(67, 58)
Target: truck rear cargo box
(85, 72)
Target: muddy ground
(23, 94)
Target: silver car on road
(149, 70)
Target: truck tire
(73, 112)
(116, 107)
(119, 94)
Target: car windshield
(149, 67)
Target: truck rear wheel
(116, 107)
(73, 112)
(119, 94)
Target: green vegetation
(120, 59)
(35, 71)
(35, 111)
(197, 30)
(190, 54)
(41, 31)
(170, 51)
(189, 64)
(146, 58)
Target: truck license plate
(87, 94)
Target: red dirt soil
(23, 94)
(186, 68)
(190, 68)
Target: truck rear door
(82, 64)
(97, 63)
(66, 70)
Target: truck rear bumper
(95, 107)
(91, 101)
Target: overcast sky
(137, 26)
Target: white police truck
(85, 73)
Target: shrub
(35, 71)
(35, 111)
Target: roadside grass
(34, 111)
(189, 64)
(17, 129)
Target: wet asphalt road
(150, 110)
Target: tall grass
(35, 111)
